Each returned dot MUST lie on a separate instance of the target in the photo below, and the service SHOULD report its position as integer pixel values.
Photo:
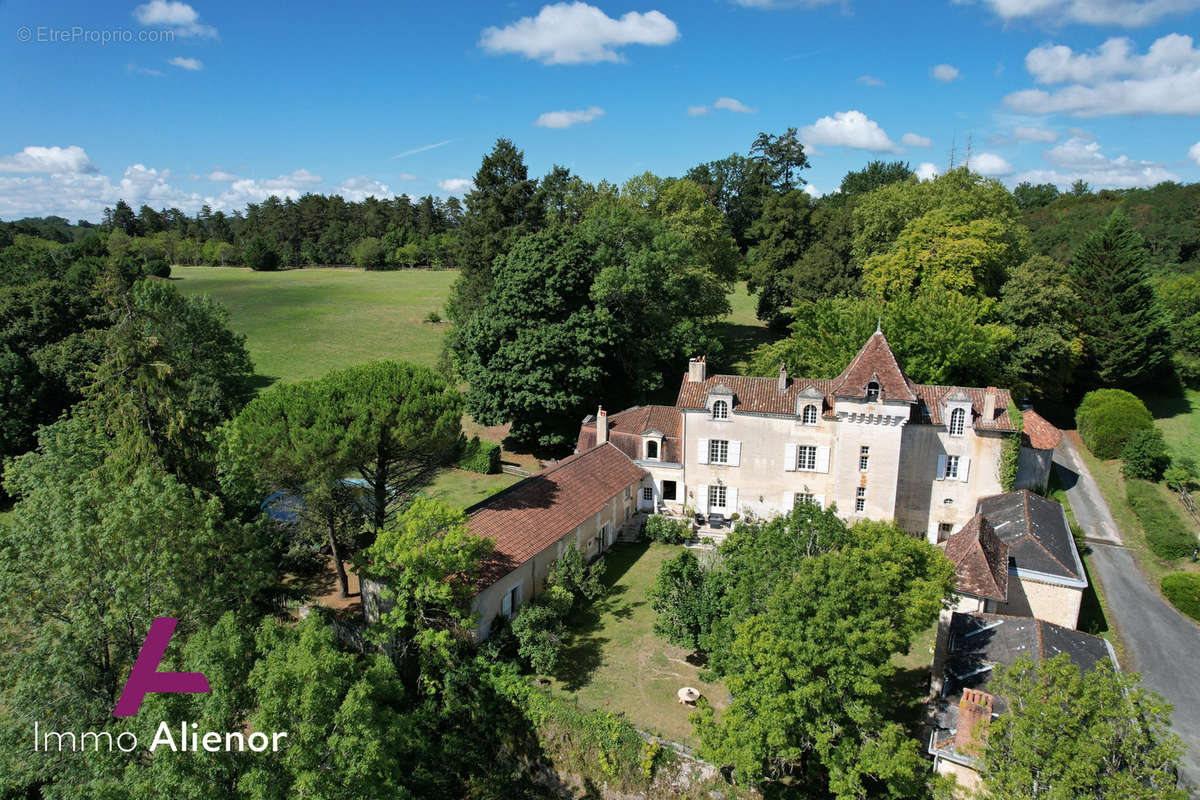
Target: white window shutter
(941, 468)
(789, 501)
(789, 458)
(731, 500)
(702, 451)
(819, 499)
(964, 468)
(735, 454)
(822, 459)
(506, 604)
(702, 498)
(517, 596)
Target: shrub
(433, 317)
(667, 530)
(1165, 532)
(538, 627)
(1107, 417)
(1183, 590)
(368, 253)
(476, 455)
(1145, 455)
(260, 255)
(158, 267)
(579, 580)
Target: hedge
(1183, 590)
(1106, 417)
(1010, 454)
(479, 456)
(664, 529)
(1165, 532)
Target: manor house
(871, 441)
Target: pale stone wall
(967, 778)
(879, 426)
(921, 502)
(1053, 603)
(531, 576)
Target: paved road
(1161, 644)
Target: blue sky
(224, 103)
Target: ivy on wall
(1011, 453)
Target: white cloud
(565, 119)
(944, 73)
(1194, 152)
(848, 129)
(736, 106)
(1080, 159)
(192, 64)
(927, 171)
(135, 69)
(990, 165)
(84, 195)
(813, 191)
(221, 176)
(577, 33)
(251, 190)
(423, 148)
(915, 140)
(55, 160)
(361, 187)
(1126, 13)
(178, 17)
(456, 185)
(722, 104)
(1026, 133)
(1113, 79)
(1081, 133)
(870, 80)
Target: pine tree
(1123, 328)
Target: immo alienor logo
(145, 678)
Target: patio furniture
(688, 696)
(717, 520)
(700, 520)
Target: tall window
(864, 457)
(805, 497)
(951, 466)
(806, 457)
(958, 422)
(652, 450)
(668, 490)
(872, 392)
(716, 497)
(718, 451)
(810, 415)
(860, 499)
(720, 410)
(647, 494)
(944, 530)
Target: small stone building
(1038, 442)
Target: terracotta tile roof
(874, 362)
(980, 560)
(1040, 434)
(625, 430)
(1036, 533)
(533, 514)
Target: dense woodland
(130, 412)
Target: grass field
(1179, 420)
(303, 323)
(741, 331)
(612, 659)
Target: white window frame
(864, 457)
(718, 451)
(657, 450)
(873, 393)
(944, 531)
(648, 494)
(806, 458)
(958, 422)
(720, 409)
(718, 496)
(951, 473)
(860, 499)
(809, 415)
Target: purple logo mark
(145, 678)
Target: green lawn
(1179, 419)
(741, 331)
(612, 660)
(461, 488)
(303, 323)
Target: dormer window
(810, 415)
(652, 450)
(720, 410)
(873, 392)
(958, 422)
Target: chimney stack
(601, 425)
(974, 714)
(989, 405)
(697, 369)
(781, 385)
